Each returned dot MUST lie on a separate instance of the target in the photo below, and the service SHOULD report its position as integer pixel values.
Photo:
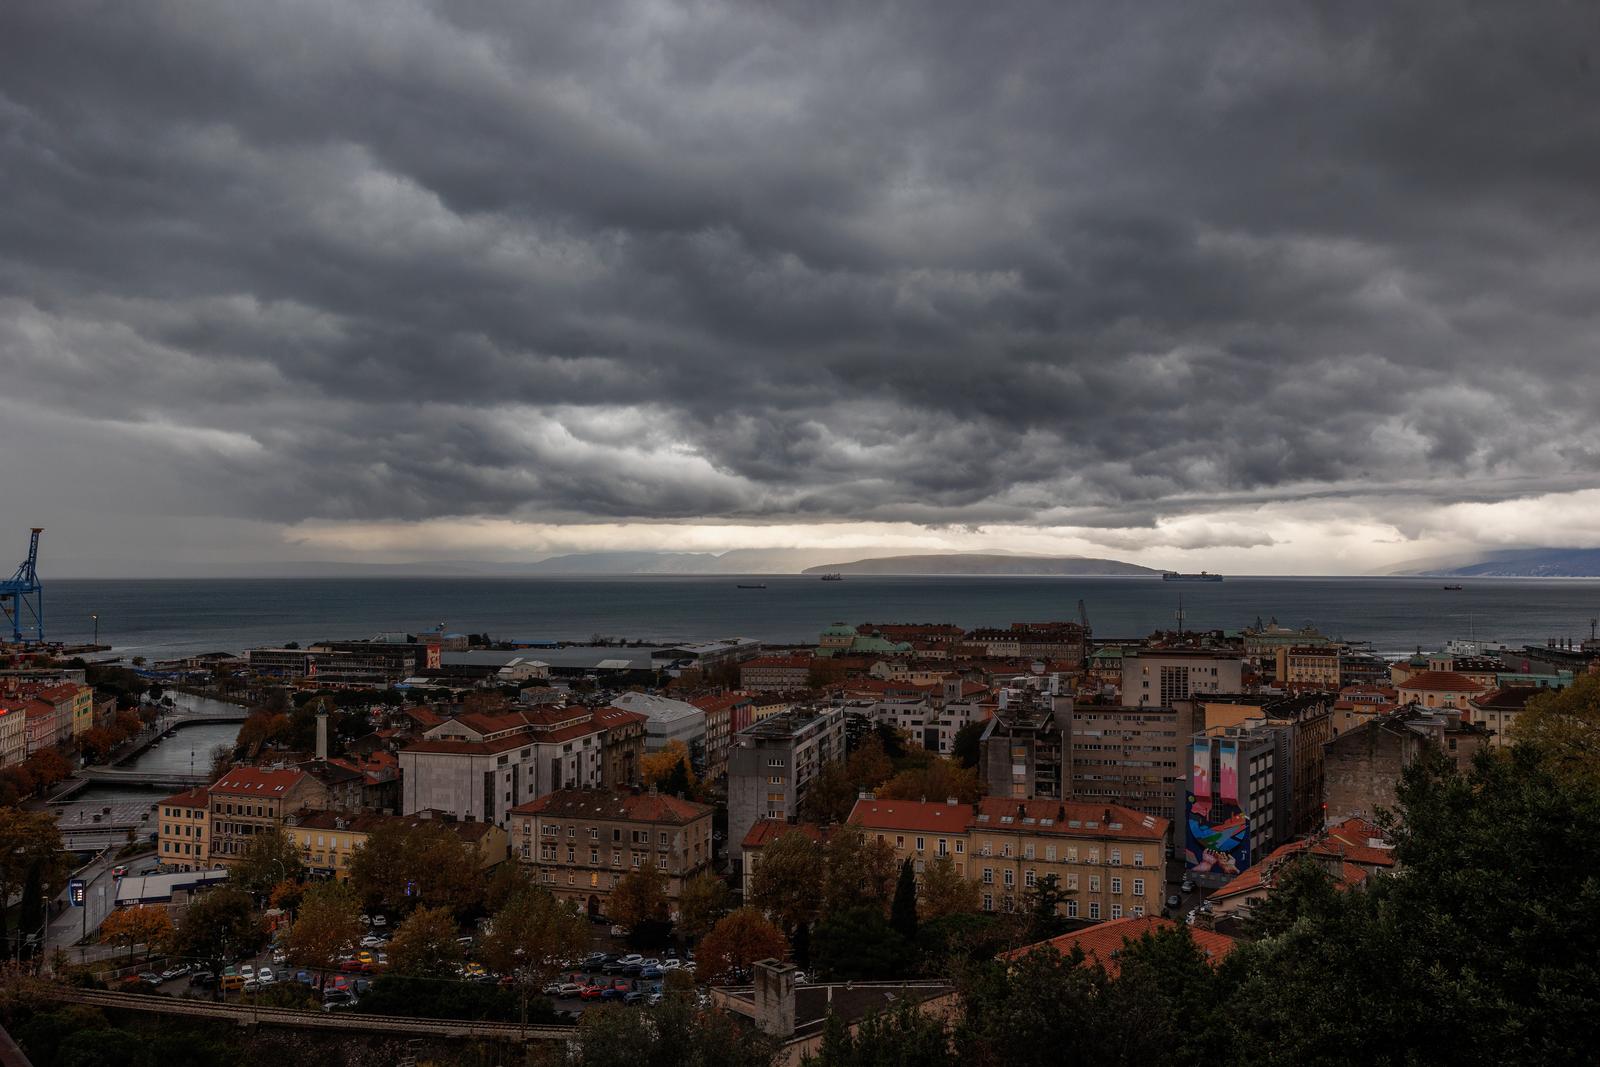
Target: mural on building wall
(1218, 834)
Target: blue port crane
(22, 597)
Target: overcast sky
(1274, 288)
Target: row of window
(638, 837)
(1008, 878)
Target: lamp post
(96, 618)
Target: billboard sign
(77, 890)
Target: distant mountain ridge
(975, 563)
(1525, 563)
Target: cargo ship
(1203, 576)
(833, 576)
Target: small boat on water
(742, 586)
(1203, 576)
(833, 576)
(1453, 588)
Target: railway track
(249, 1015)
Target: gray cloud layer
(928, 262)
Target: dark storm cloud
(940, 263)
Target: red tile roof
(253, 781)
(1507, 698)
(189, 798)
(1347, 841)
(1104, 942)
(1442, 682)
(766, 831)
(604, 804)
(1058, 817)
(924, 816)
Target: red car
(592, 992)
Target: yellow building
(1109, 860)
(183, 835)
(1308, 667)
(329, 840)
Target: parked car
(119, 870)
(279, 957)
(648, 973)
(251, 985)
(671, 964)
(633, 996)
(613, 993)
(202, 980)
(337, 998)
(373, 941)
(303, 977)
(619, 931)
(175, 972)
(592, 960)
(569, 989)
(380, 921)
(366, 920)
(592, 992)
(247, 971)
(265, 976)
(1174, 900)
(150, 978)
(1187, 886)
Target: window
(1072, 853)
(1116, 887)
(1116, 857)
(988, 876)
(1094, 909)
(1094, 855)
(1138, 911)
(1072, 881)
(988, 902)
(1027, 851)
(1028, 878)
(961, 848)
(1138, 887)
(1008, 876)
(1072, 908)
(899, 841)
(1050, 853)
(1116, 911)
(594, 855)
(1094, 883)
(920, 844)
(1138, 858)
(594, 833)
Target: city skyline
(1274, 291)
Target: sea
(166, 618)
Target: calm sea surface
(162, 618)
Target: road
(99, 899)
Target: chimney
(775, 998)
(322, 731)
(951, 801)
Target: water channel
(186, 749)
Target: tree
(965, 747)
(1563, 725)
(427, 865)
(1044, 904)
(869, 765)
(218, 927)
(858, 943)
(737, 941)
(425, 945)
(785, 883)
(901, 1035)
(268, 859)
(903, 912)
(640, 897)
(702, 902)
(669, 769)
(531, 936)
(857, 869)
(944, 891)
(151, 927)
(327, 927)
(831, 796)
(508, 880)
(675, 1032)
(30, 847)
(940, 779)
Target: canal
(187, 749)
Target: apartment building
(1310, 667)
(13, 733)
(1363, 766)
(1109, 858)
(1235, 809)
(764, 833)
(1498, 709)
(1440, 689)
(771, 764)
(1023, 752)
(1159, 677)
(581, 842)
(1130, 756)
(329, 840)
(252, 800)
(776, 673)
(725, 713)
(183, 831)
(478, 766)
